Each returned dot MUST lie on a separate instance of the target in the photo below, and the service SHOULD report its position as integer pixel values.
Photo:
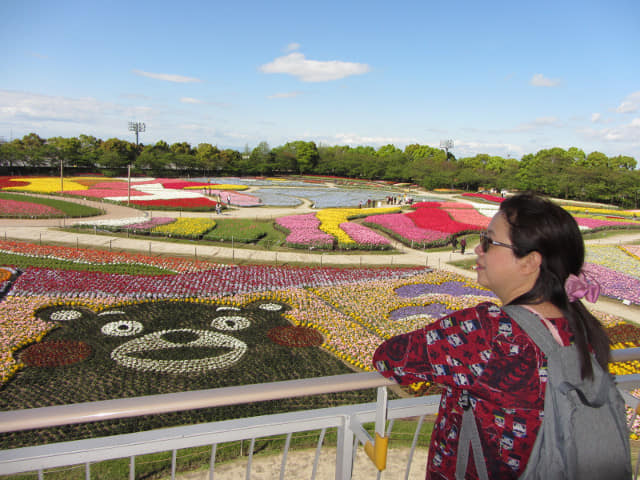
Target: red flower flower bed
(55, 353)
(289, 336)
(484, 196)
(7, 182)
(177, 202)
(180, 184)
(439, 220)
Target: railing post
(344, 450)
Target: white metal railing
(347, 420)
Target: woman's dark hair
(537, 224)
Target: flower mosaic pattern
(345, 312)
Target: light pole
(447, 145)
(137, 127)
(133, 127)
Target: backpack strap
(533, 326)
(469, 435)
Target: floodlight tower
(137, 127)
(447, 145)
(133, 127)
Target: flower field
(145, 193)
(210, 326)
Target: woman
(532, 255)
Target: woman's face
(497, 268)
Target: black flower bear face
(161, 347)
(180, 337)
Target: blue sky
(499, 77)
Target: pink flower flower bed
(439, 220)
(484, 196)
(465, 213)
(403, 225)
(177, 202)
(304, 230)
(148, 225)
(104, 193)
(597, 223)
(363, 235)
(239, 199)
(100, 257)
(27, 209)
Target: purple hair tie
(580, 286)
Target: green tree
(261, 160)
(12, 153)
(208, 159)
(117, 154)
(89, 152)
(34, 150)
(65, 150)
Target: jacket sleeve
(451, 351)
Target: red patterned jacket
(482, 350)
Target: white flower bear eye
(231, 323)
(122, 328)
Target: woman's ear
(531, 263)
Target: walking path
(49, 231)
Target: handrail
(625, 354)
(44, 417)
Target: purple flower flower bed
(450, 288)
(615, 284)
(148, 225)
(403, 225)
(305, 230)
(436, 310)
(220, 280)
(363, 235)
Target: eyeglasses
(486, 242)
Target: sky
(503, 78)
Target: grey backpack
(584, 434)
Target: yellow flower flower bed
(601, 211)
(46, 185)
(331, 218)
(185, 227)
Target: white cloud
(630, 104)
(627, 133)
(539, 80)
(595, 117)
(190, 100)
(292, 46)
(167, 77)
(285, 95)
(471, 148)
(354, 139)
(539, 122)
(313, 70)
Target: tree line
(570, 174)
